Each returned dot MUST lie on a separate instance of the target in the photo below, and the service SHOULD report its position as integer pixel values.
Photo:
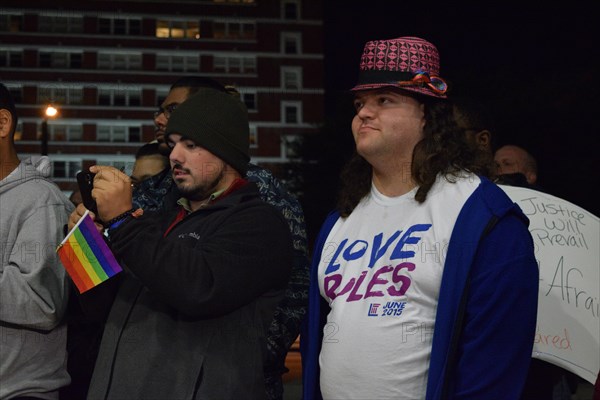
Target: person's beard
(198, 192)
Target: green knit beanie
(216, 121)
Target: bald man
(512, 159)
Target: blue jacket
(491, 261)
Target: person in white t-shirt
(424, 282)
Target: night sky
(535, 69)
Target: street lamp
(50, 112)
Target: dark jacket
(191, 312)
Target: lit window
(162, 29)
(192, 30)
(178, 29)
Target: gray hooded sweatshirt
(33, 283)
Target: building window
(124, 163)
(249, 100)
(235, 1)
(161, 95)
(291, 112)
(61, 95)
(135, 134)
(11, 22)
(119, 61)
(291, 78)
(292, 146)
(178, 29)
(10, 58)
(49, 59)
(65, 133)
(75, 60)
(119, 97)
(249, 64)
(234, 30)
(177, 63)
(16, 94)
(118, 133)
(119, 26)
(290, 42)
(65, 169)
(234, 64)
(60, 24)
(253, 136)
(290, 9)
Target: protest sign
(567, 241)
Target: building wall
(105, 67)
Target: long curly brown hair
(443, 150)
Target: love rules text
(388, 278)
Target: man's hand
(78, 213)
(112, 192)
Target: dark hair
(148, 149)
(7, 103)
(441, 151)
(473, 118)
(473, 113)
(195, 83)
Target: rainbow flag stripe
(86, 256)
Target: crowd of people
(421, 284)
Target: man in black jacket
(201, 281)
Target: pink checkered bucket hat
(408, 63)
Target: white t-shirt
(380, 271)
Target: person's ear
(5, 123)
(483, 139)
(531, 177)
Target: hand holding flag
(86, 256)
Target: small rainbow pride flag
(86, 256)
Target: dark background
(537, 71)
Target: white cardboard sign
(567, 242)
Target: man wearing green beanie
(200, 282)
(216, 121)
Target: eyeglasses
(168, 110)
